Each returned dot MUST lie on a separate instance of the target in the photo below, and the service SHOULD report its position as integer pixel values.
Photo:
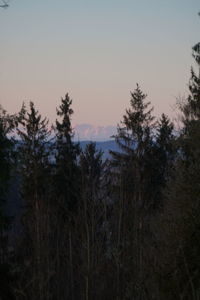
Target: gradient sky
(97, 50)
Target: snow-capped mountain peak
(93, 133)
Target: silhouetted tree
(4, 4)
(6, 164)
(67, 193)
(34, 170)
(134, 138)
(92, 222)
(182, 209)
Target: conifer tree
(6, 165)
(67, 193)
(92, 221)
(183, 194)
(190, 167)
(134, 137)
(66, 155)
(159, 168)
(161, 160)
(6, 147)
(33, 153)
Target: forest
(87, 228)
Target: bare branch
(4, 4)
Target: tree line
(123, 228)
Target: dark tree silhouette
(4, 4)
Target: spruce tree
(134, 137)
(67, 194)
(159, 168)
(33, 155)
(6, 166)
(6, 149)
(66, 156)
(190, 167)
(92, 218)
(161, 160)
(183, 209)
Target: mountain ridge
(83, 132)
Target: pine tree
(6, 166)
(182, 209)
(33, 154)
(134, 137)
(159, 168)
(67, 194)
(66, 156)
(92, 218)
(161, 160)
(190, 167)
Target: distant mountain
(89, 132)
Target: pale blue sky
(96, 51)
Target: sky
(96, 50)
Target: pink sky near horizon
(97, 52)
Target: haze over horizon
(96, 51)
(89, 132)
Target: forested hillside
(88, 228)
